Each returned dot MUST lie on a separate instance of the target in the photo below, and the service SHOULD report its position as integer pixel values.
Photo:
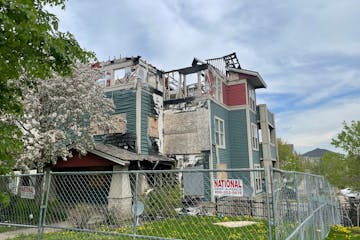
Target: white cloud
(312, 128)
(308, 53)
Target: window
(254, 137)
(122, 73)
(219, 132)
(258, 180)
(252, 100)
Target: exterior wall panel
(147, 110)
(125, 105)
(223, 154)
(234, 95)
(186, 132)
(239, 139)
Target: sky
(308, 52)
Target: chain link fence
(305, 206)
(173, 204)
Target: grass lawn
(201, 228)
(6, 229)
(344, 233)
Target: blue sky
(308, 52)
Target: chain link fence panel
(22, 199)
(162, 204)
(305, 206)
(174, 204)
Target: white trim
(109, 157)
(228, 107)
(252, 73)
(248, 128)
(235, 82)
(221, 132)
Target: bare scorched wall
(186, 132)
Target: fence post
(297, 197)
(45, 187)
(135, 205)
(266, 173)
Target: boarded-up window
(153, 127)
(221, 175)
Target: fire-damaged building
(203, 116)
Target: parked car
(345, 191)
(353, 195)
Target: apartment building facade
(203, 116)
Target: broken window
(122, 73)
(254, 137)
(219, 132)
(252, 99)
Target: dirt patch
(235, 224)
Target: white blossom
(57, 116)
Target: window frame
(252, 99)
(255, 137)
(219, 132)
(257, 179)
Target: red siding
(90, 160)
(234, 95)
(244, 76)
(211, 81)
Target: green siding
(147, 109)
(256, 157)
(125, 102)
(255, 154)
(239, 139)
(224, 154)
(236, 154)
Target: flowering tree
(31, 47)
(58, 113)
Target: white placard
(27, 192)
(228, 187)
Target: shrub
(162, 201)
(80, 215)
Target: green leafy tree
(333, 166)
(349, 140)
(288, 158)
(31, 48)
